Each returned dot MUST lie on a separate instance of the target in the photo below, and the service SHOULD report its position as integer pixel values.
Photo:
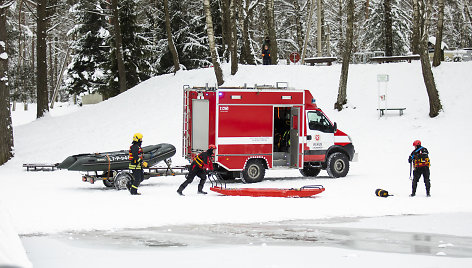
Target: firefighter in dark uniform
(266, 55)
(420, 160)
(136, 163)
(200, 164)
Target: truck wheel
(338, 165)
(122, 179)
(254, 171)
(308, 171)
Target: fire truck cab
(261, 128)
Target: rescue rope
(109, 164)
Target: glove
(145, 164)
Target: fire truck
(263, 127)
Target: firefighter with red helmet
(200, 164)
(419, 158)
(136, 163)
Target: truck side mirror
(308, 137)
(335, 127)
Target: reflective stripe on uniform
(134, 187)
(198, 161)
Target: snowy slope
(56, 201)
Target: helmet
(417, 143)
(212, 146)
(138, 137)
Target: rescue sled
(305, 191)
(117, 160)
(219, 186)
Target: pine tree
(86, 73)
(135, 55)
(375, 35)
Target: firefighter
(266, 55)
(420, 160)
(201, 163)
(136, 163)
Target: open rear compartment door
(200, 124)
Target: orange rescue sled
(305, 191)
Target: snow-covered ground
(52, 202)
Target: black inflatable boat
(117, 160)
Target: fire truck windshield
(318, 121)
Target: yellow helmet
(138, 137)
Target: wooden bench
(382, 110)
(40, 167)
(395, 58)
(327, 60)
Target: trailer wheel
(338, 165)
(110, 182)
(254, 171)
(122, 179)
(308, 171)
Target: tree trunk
(423, 20)
(308, 29)
(6, 130)
(388, 28)
(247, 55)
(170, 41)
(367, 4)
(272, 32)
(226, 28)
(118, 46)
(342, 96)
(438, 55)
(234, 38)
(415, 35)
(211, 40)
(298, 25)
(318, 28)
(41, 57)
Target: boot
(428, 193)
(201, 192)
(412, 195)
(180, 192)
(134, 190)
(181, 189)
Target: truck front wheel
(338, 165)
(254, 171)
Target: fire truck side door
(320, 133)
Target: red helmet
(417, 143)
(212, 146)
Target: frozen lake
(121, 247)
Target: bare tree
(6, 131)
(234, 37)
(438, 52)
(170, 41)
(342, 96)
(245, 17)
(41, 57)
(272, 32)
(211, 40)
(308, 28)
(118, 46)
(415, 35)
(425, 7)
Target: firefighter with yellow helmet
(136, 163)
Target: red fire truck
(261, 128)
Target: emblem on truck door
(317, 137)
(224, 108)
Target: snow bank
(12, 253)
(57, 201)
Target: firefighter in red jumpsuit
(420, 160)
(200, 164)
